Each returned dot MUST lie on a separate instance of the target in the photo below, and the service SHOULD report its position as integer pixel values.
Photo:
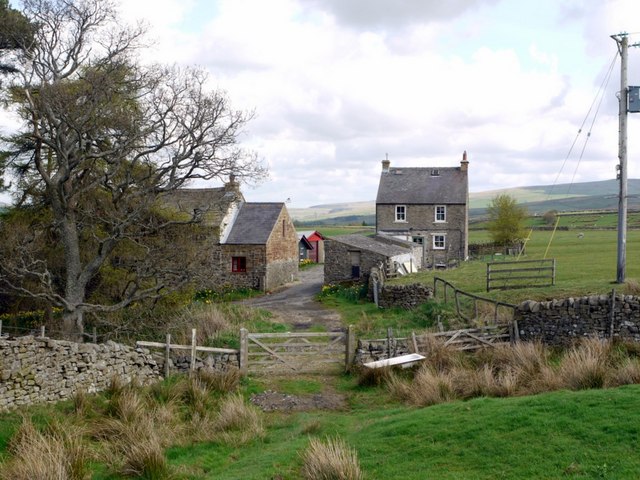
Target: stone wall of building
(421, 223)
(254, 277)
(39, 370)
(560, 322)
(337, 262)
(282, 253)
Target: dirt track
(295, 305)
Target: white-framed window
(401, 213)
(439, 241)
(441, 213)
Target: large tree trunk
(73, 325)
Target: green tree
(550, 217)
(506, 220)
(104, 140)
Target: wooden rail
(193, 348)
(297, 351)
(509, 275)
(475, 298)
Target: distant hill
(538, 199)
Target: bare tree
(104, 139)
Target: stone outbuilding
(351, 257)
(243, 244)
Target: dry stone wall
(560, 322)
(39, 370)
(404, 296)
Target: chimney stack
(232, 185)
(386, 164)
(464, 164)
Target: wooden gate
(296, 352)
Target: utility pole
(623, 96)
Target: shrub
(330, 460)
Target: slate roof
(254, 223)
(418, 186)
(214, 203)
(375, 244)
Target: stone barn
(351, 257)
(243, 244)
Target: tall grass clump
(226, 381)
(331, 459)
(429, 387)
(58, 452)
(585, 365)
(238, 422)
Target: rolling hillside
(538, 199)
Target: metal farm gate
(299, 352)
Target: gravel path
(295, 303)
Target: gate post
(350, 348)
(244, 351)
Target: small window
(435, 172)
(238, 264)
(439, 242)
(418, 240)
(401, 213)
(441, 213)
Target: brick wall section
(39, 370)
(282, 252)
(421, 221)
(560, 322)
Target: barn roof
(377, 244)
(254, 223)
(212, 203)
(433, 185)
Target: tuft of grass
(238, 421)
(331, 459)
(374, 377)
(632, 287)
(585, 365)
(59, 452)
(429, 387)
(224, 382)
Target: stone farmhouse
(244, 244)
(428, 206)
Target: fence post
(445, 292)
(389, 337)
(613, 312)
(95, 335)
(553, 278)
(350, 348)
(0, 328)
(414, 341)
(167, 356)
(244, 351)
(192, 366)
(488, 277)
(42, 331)
(455, 296)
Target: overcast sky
(337, 84)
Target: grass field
(589, 434)
(585, 265)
